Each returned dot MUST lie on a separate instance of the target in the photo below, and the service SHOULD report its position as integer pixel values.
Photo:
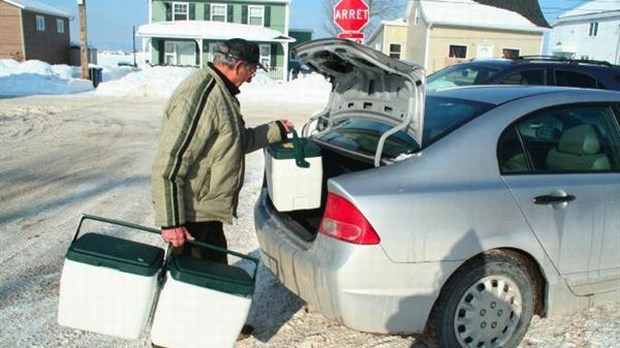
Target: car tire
(488, 302)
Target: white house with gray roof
(588, 31)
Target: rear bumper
(357, 285)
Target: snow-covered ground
(86, 150)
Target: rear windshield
(461, 75)
(442, 116)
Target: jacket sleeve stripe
(179, 150)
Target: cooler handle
(298, 151)
(113, 222)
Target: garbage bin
(95, 75)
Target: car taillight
(342, 220)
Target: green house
(186, 33)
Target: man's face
(250, 71)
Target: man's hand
(176, 236)
(288, 125)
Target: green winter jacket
(199, 168)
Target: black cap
(243, 50)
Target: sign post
(351, 16)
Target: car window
(441, 116)
(362, 136)
(572, 139)
(460, 75)
(528, 77)
(575, 79)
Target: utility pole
(133, 40)
(83, 39)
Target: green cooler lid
(286, 149)
(212, 275)
(121, 254)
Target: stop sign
(351, 15)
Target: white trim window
(180, 11)
(219, 12)
(265, 55)
(60, 26)
(395, 50)
(256, 15)
(511, 53)
(180, 53)
(40, 22)
(457, 51)
(416, 17)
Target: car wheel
(488, 302)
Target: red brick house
(30, 29)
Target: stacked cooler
(111, 286)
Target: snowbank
(35, 77)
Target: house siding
(277, 12)
(395, 34)
(441, 38)
(11, 39)
(49, 45)
(237, 12)
(605, 45)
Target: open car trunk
(374, 115)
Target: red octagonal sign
(351, 15)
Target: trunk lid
(367, 84)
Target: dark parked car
(461, 213)
(552, 71)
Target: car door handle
(548, 199)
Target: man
(199, 168)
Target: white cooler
(202, 304)
(108, 285)
(293, 184)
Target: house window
(256, 15)
(457, 51)
(395, 51)
(218, 12)
(180, 11)
(40, 23)
(593, 28)
(416, 19)
(265, 55)
(180, 53)
(511, 53)
(60, 26)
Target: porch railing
(275, 73)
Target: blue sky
(110, 22)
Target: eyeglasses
(251, 67)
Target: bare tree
(379, 10)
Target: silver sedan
(498, 204)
